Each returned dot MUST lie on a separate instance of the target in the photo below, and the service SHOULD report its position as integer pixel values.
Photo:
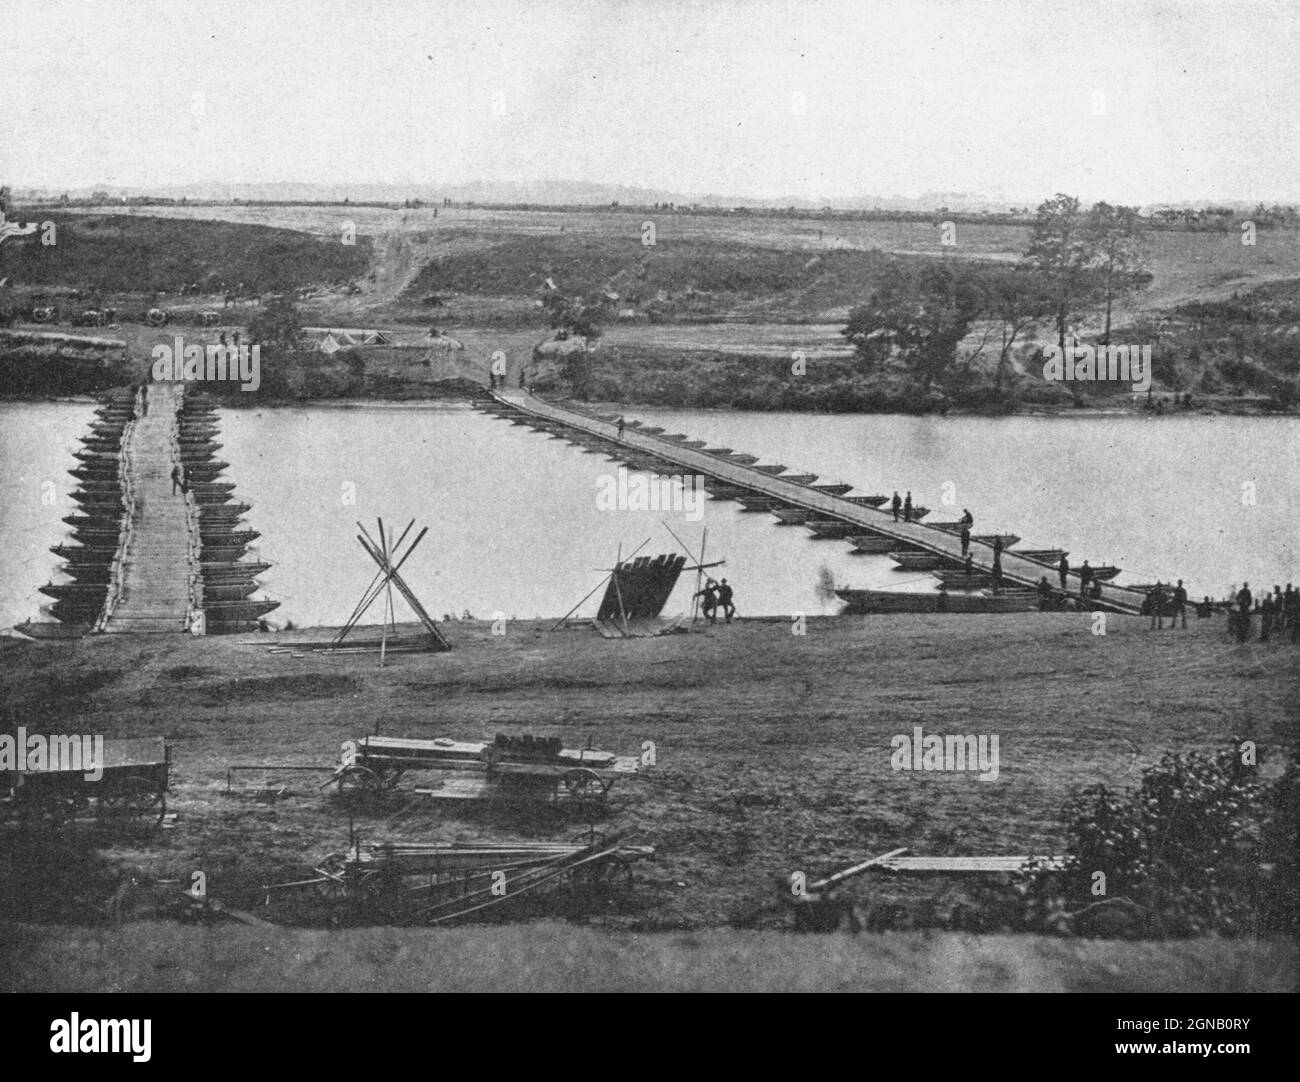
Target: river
(515, 528)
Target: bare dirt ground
(773, 756)
(773, 749)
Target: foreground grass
(560, 958)
(773, 750)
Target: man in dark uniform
(907, 508)
(1157, 605)
(724, 600)
(1085, 578)
(1244, 600)
(896, 504)
(1266, 614)
(709, 606)
(1180, 604)
(1044, 593)
(965, 540)
(1063, 569)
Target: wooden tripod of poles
(388, 555)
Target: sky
(1136, 102)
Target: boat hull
(879, 602)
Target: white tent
(331, 339)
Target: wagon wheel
(583, 783)
(144, 798)
(58, 809)
(334, 885)
(360, 781)
(584, 788)
(139, 796)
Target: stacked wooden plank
(639, 589)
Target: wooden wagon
(437, 882)
(525, 768)
(134, 781)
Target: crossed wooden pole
(385, 552)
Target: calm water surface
(515, 528)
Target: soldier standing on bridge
(1063, 569)
(622, 422)
(907, 508)
(965, 540)
(896, 504)
(1085, 577)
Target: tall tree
(1116, 243)
(278, 324)
(1015, 299)
(1061, 250)
(918, 316)
(572, 315)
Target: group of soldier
(1169, 601)
(901, 506)
(716, 595)
(1278, 613)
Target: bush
(1182, 854)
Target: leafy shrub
(1181, 854)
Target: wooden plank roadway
(159, 560)
(1015, 569)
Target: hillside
(709, 314)
(117, 254)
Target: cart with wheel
(132, 782)
(443, 881)
(524, 768)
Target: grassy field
(1185, 265)
(774, 749)
(728, 286)
(167, 958)
(117, 253)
